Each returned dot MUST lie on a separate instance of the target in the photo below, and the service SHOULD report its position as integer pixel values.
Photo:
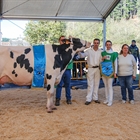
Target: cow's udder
(5, 79)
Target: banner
(39, 66)
(107, 69)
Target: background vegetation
(123, 25)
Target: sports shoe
(105, 102)
(97, 101)
(87, 103)
(109, 104)
(132, 102)
(123, 101)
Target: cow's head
(76, 42)
(66, 51)
(72, 44)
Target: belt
(95, 67)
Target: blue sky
(10, 29)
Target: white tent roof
(57, 9)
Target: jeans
(126, 82)
(65, 80)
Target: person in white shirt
(126, 73)
(93, 55)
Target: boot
(69, 102)
(57, 102)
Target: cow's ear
(54, 47)
(76, 40)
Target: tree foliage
(126, 9)
(122, 27)
(38, 32)
(123, 31)
(49, 31)
(85, 30)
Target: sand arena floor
(23, 117)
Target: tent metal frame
(57, 17)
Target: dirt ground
(23, 116)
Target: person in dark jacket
(134, 51)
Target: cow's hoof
(54, 108)
(50, 111)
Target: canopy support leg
(104, 33)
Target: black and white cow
(17, 65)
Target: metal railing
(79, 70)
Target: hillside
(121, 32)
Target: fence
(79, 70)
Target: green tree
(125, 9)
(85, 30)
(38, 32)
(124, 31)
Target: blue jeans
(126, 82)
(65, 80)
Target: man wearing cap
(134, 50)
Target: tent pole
(0, 33)
(104, 33)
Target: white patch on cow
(70, 47)
(24, 77)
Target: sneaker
(105, 102)
(123, 101)
(97, 101)
(109, 104)
(87, 103)
(132, 102)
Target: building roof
(94, 10)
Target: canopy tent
(82, 10)
(57, 9)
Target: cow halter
(71, 41)
(85, 44)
